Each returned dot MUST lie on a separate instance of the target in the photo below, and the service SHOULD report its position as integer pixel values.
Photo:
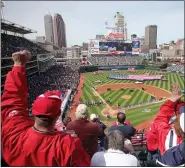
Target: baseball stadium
(75, 102)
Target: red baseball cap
(48, 104)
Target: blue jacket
(174, 156)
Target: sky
(85, 19)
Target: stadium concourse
(41, 140)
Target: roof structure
(13, 27)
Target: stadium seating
(10, 44)
(115, 60)
(176, 68)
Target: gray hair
(115, 140)
(82, 111)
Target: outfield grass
(134, 115)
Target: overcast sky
(85, 19)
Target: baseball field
(141, 102)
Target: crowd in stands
(11, 44)
(176, 68)
(82, 141)
(57, 77)
(74, 63)
(115, 60)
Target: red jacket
(22, 144)
(88, 133)
(163, 128)
(151, 139)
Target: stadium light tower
(2, 5)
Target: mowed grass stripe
(117, 97)
(90, 80)
(136, 98)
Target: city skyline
(84, 20)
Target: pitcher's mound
(126, 97)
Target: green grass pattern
(136, 116)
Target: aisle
(76, 99)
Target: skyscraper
(59, 31)
(48, 22)
(151, 37)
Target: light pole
(2, 5)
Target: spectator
(114, 156)
(174, 156)
(101, 139)
(66, 121)
(167, 125)
(29, 143)
(87, 131)
(127, 130)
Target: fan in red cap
(47, 104)
(35, 143)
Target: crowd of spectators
(74, 63)
(83, 141)
(114, 60)
(176, 68)
(11, 44)
(57, 77)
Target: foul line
(106, 104)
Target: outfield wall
(110, 67)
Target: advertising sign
(135, 44)
(94, 46)
(115, 35)
(128, 53)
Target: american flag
(180, 42)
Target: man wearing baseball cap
(34, 143)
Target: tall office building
(151, 37)
(59, 31)
(48, 22)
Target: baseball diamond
(112, 95)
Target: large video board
(117, 46)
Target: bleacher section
(115, 60)
(176, 68)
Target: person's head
(121, 117)
(46, 110)
(82, 112)
(66, 121)
(93, 117)
(115, 140)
